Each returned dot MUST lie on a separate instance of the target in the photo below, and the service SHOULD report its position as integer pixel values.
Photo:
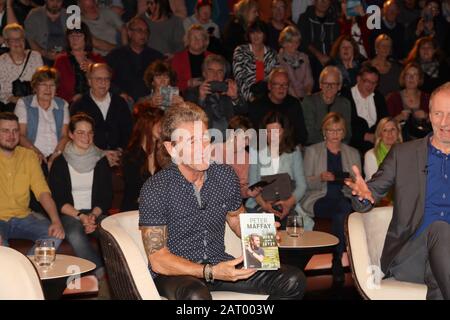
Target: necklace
(14, 61)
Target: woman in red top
(72, 64)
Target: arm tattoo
(154, 238)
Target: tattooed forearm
(154, 238)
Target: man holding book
(183, 211)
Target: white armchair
(366, 233)
(127, 262)
(19, 279)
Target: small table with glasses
(299, 250)
(54, 278)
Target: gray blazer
(315, 109)
(315, 163)
(404, 168)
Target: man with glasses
(218, 98)
(45, 29)
(368, 107)
(278, 99)
(130, 61)
(317, 106)
(110, 112)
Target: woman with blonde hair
(387, 134)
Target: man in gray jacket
(45, 29)
(417, 245)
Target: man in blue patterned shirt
(183, 210)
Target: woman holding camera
(287, 160)
(327, 165)
(17, 67)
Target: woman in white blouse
(14, 64)
(387, 134)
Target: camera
(167, 93)
(218, 86)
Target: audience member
(318, 105)
(130, 61)
(110, 112)
(73, 64)
(202, 16)
(327, 164)
(356, 27)
(166, 28)
(18, 64)
(388, 68)
(277, 23)
(278, 99)
(21, 173)
(187, 64)
(44, 29)
(142, 158)
(43, 118)
(288, 160)
(252, 62)
(219, 104)
(296, 63)
(81, 184)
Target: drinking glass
(45, 253)
(294, 226)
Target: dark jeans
(287, 283)
(79, 240)
(336, 209)
(426, 259)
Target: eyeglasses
(14, 40)
(367, 81)
(330, 85)
(334, 131)
(47, 85)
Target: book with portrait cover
(259, 243)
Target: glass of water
(294, 226)
(45, 253)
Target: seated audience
(410, 105)
(141, 159)
(219, 104)
(245, 14)
(387, 134)
(368, 107)
(18, 64)
(43, 118)
(345, 55)
(388, 68)
(288, 160)
(171, 215)
(81, 184)
(318, 105)
(435, 69)
(107, 29)
(296, 63)
(278, 99)
(110, 112)
(277, 23)
(130, 61)
(21, 173)
(158, 75)
(326, 165)
(44, 29)
(166, 28)
(73, 64)
(187, 64)
(252, 62)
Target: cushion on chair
(19, 279)
(366, 233)
(124, 228)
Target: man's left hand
(232, 89)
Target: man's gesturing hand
(359, 186)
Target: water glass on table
(45, 253)
(294, 226)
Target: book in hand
(259, 243)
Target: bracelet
(208, 273)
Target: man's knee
(294, 282)
(193, 290)
(438, 231)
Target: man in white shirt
(368, 108)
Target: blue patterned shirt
(196, 227)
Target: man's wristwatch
(208, 273)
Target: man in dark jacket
(319, 29)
